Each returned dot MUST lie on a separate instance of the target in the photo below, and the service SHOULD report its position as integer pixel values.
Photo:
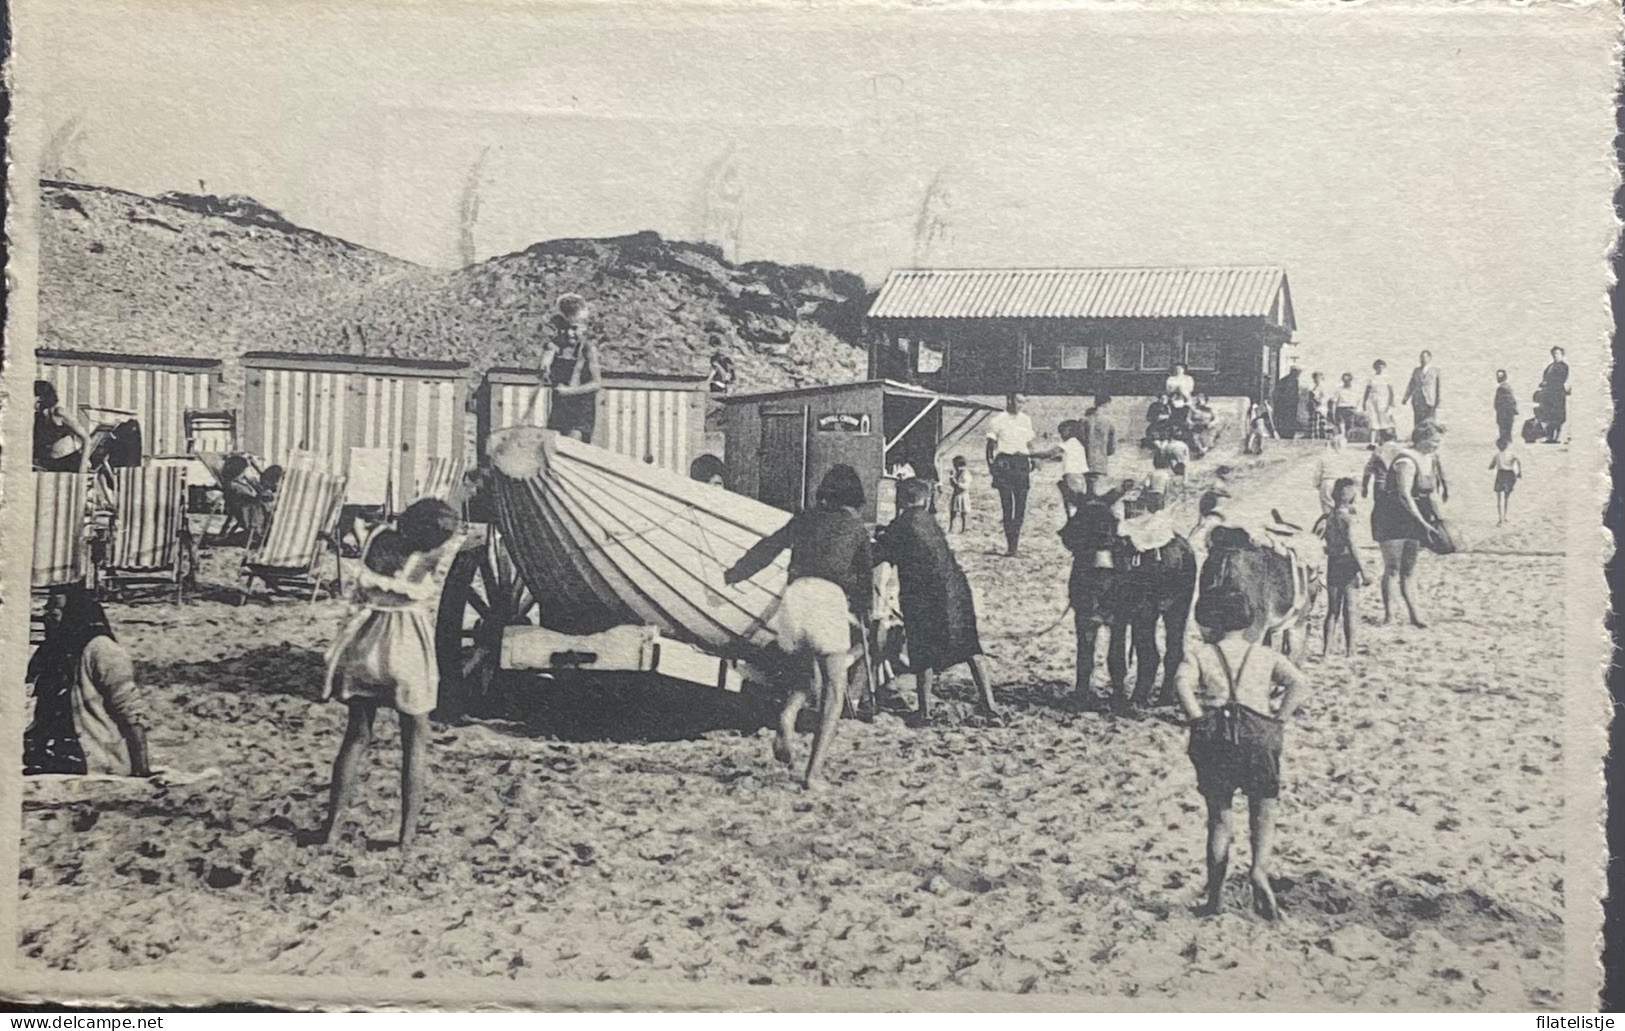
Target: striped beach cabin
(156, 391)
(305, 409)
(646, 416)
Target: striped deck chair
(441, 479)
(302, 531)
(212, 431)
(61, 538)
(151, 545)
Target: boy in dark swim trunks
(1228, 689)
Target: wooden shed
(1079, 331)
(157, 390)
(640, 415)
(780, 444)
(327, 404)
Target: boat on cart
(593, 560)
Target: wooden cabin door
(781, 461)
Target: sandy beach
(1418, 861)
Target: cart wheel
(483, 595)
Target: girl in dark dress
(939, 613)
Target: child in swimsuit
(1508, 471)
(1345, 574)
(1237, 694)
(959, 503)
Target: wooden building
(646, 416)
(325, 405)
(1079, 331)
(156, 390)
(780, 444)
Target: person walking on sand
(939, 611)
(1099, 435)
(1345, 573)
(831, 586)
(1317, 400)
(1508, 471)
(1404, 514)
(385, 655)
(1345, 400)
(1422, 392)
(1378, 403)
(1010, 456)
(1228, 690)
(1506, 406)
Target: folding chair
(368, 488)
(210, 431)
(440, 480)
(151, 546)
(61, 551)
(302, 530)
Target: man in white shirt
(1010, 455)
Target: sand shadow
(267, 670)
(618, 707)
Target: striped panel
(59, 529)
(148, 513)
(307, 504)
(644, 424)
(509, 402)
(214, 432)
(441, 477)
(158, 398)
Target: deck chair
(368, 489)
(302, 531)
(150, 546)
(440, 480)
(211, 431)
(61, 551)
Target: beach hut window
(1074, 355)
(1043, 354)
(1122, 355)
(1157, 355)
(1202, 355)
(930, 356)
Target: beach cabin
(103, 389)
(392, 416)
(646, 416)
(1060, 335)
(780, 444)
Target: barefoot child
(939, 613)
(1508, 471)
(386, 657)
(959, 502)
(1345, 574)
(1227, 687)
(1074, 464)
(831, 584)
(1260, 425)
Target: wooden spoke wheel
(482, 597)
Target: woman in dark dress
(939, 613)
(570, 372)
(60, 444)
(1553, 397)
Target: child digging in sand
(1227, 687)
(939, 613)
(831, 585)
(385, 656)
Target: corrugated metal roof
(1251, 291)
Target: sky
(1432, 179)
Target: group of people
(1181, 415)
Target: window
(1121, 355)
(1074, 355)
(931, 357)
(1043, 354)
(1202, 355)
(1157, 355)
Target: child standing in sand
(1345, 574)
(1259, 425)
(1228, 689)
(385, 656)
(959, 502)
(1508, 471)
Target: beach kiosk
(780, 444)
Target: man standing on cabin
(1422, 393)
(1099, 435)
